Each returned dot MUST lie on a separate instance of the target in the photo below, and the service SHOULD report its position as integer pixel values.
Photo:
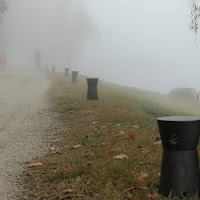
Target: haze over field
(144, 44)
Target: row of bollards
(92, 93)
(180, 173)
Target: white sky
(140, 43)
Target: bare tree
(3, 7)
(195, 15)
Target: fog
(138, 43)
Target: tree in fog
(80, 30)
(3, 7)
(185, 94)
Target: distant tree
(185, 94)
(3, 7)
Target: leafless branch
(195, 15)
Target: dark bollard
(53, 69)
(180, 164)
(74, 76)
(92, 93)
(67, 72)
(46, 69)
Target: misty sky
(139, 43)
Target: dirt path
(25, 126)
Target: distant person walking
(37, 60)
(3, 62)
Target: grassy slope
(104, 128)
(192, 108)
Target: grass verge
(106, 151)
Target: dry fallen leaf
(110, 153)
(158, 138)
(130, 137)
(129, 196)
(117, 177)
(129, 189)
(143, 151)
(144, 175)
(158, 174)
(53, 148)
(120, 156)
(40, 113)
(142, 163)
(117, 149)
(87, 154)
(90, 112)
(136, 126)
(68, 191)
(56, 140)
(38, 164)
(91, 145)
(158, 142)
(140, 182)
(89, 163)
(152, 196)
(78, 178)
(121, 132)
(65, 171)
(77, 146)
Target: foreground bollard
(53, 69)
(92, 93)
(46, 69)
(74, 76)
(180, 164)
(67, 72)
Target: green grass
(92, 169)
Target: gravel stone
(26, 127)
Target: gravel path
(25, 126)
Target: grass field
(108, 149)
